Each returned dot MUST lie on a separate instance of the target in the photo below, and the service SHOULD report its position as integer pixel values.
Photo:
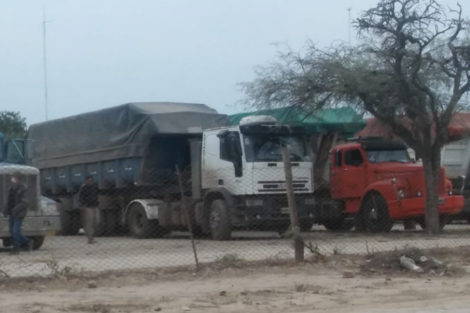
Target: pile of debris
(407, 261)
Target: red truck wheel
(375, 214)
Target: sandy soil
(273, 289)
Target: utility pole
(349, 25)
(44, 46)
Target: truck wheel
(70, 222)
(338, 224)
(7, 242)
(219, 219)
(443, 221)
(140, 226)
(108, 223)
(375, 214)
(38, 242)
(198, 232)
(306, 226)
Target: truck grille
(279, 186)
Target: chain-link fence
(102, 218)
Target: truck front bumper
(274, 213)
(33, 226)
(415, 207)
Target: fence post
(184, 205)
(294, 217)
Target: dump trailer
(372, 183)
(233, 175)
(42, 218)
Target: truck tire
(375, 214)
(38, 242)
(70, 221)
(108, 223)
(306, 226)
(219, 220)
(7, 242)
(443, 221)
(140, 226)
(338, 224)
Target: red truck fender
(386, 188)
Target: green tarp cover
(342, 120)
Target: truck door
(351, 175)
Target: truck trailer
(233, 174)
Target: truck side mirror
(29, 150)
(463, 178)
(237, 158)
(223, 134)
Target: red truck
(373, 183)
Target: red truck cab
(375, 182)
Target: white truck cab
(242, 166)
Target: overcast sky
(103, 53)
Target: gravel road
(123, 253)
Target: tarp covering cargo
(341, 120)
(119, 132)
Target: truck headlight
(401, 194)
(419, 194)
(310, 201)
(449, 192)
(254, 202)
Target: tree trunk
(432, 165)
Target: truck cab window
(338, 158)
(230, 148)
(353, 158)
(15, 152)
(231, 151)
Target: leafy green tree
(12, 124)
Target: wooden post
(294, 217)
(184, 205)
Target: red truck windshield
(383, 156)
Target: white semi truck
(233, 174)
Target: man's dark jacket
(17, 205)
(89, 196)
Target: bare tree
(410, 71)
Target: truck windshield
(382, 156)
(266, 148)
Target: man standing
(16, 209)
(88, 198)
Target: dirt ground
(339, 283)
(125, 253)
